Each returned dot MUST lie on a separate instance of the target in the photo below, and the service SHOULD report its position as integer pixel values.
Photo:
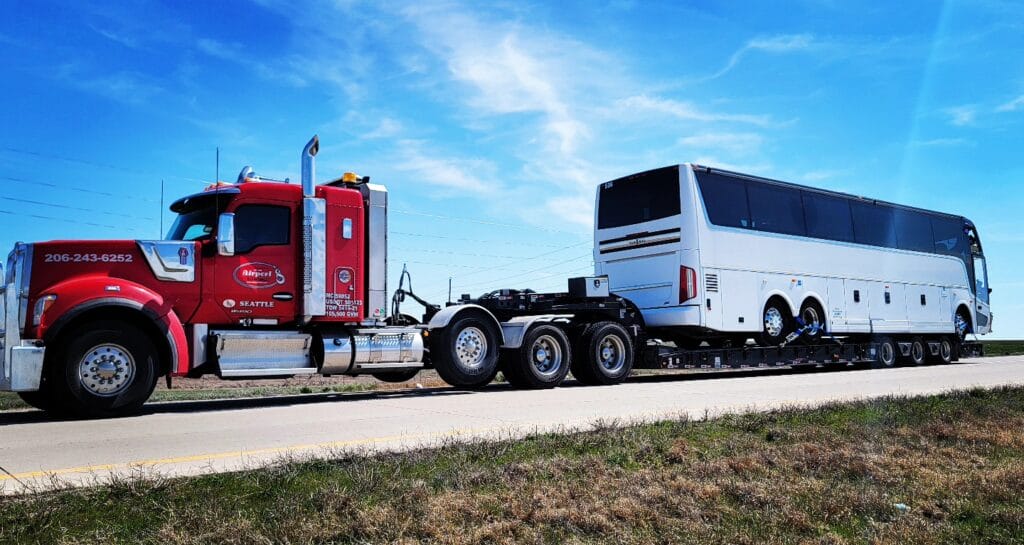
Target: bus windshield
(639, 198)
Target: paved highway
(184, 438)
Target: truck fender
(515, 329)
(78, 296)
(447, 314)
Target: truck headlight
(42, 304)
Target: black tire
(396, 376)
(810, 313)
(478, 346)
(918, 351)
(776, 323)
(523, 369)
(41, 399)
(604, 354)
(945, 354)
(887, 353)
(117, 349)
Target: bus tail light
(687, 284)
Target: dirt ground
(427, 379)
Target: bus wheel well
(965, 312)
(122, 314)
(780, 301)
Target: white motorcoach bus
(718, 256)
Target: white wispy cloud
(941, 142)
(1012, 106)
(126, 87)
(687, 111)
(962, 115)
(770, 44)
(446, 172)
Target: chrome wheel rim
(106, 370)
(471, 347)
(546, 355)
(611, 354)
(773, 322)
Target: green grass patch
(1003, 348)
(938, 469)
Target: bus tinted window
(776, 209)
(873, 224)
(828, 217)
(914, 231)
(635, 199)
(949, 237)
(725, 199)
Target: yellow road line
(239, 454)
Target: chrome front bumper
(21, 360)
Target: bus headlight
(42, 304)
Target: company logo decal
(229, 303)
(344, 276)
(258, 275)
(183, 256)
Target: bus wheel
(465, 353)
(107, 368)
(604, 354)
(775, 323)
(885, 352)
(918, 351)
(541, 362)
(963, 324)
(811, 315)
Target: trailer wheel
(604, 354)
(776, 323)
(465, 353)
(107, 368)
(945, 354)
(887, 351)
(918, 351)
(542, 361)
(396, 376)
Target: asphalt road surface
(184, 438)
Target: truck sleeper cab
(720, 257)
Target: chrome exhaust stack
(314, 238)
(309, 167)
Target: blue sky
(492, 125)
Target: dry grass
(835, 475)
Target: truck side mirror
(226, 234)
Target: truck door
(258, 285)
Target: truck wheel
(918, 351)
(775, 323)
(465, 353)
(396, 376)
(945, 354)
(886, 352)
(107, 368)
(604, 354)
(542, 361)
(41, 399)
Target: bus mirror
(226, 234)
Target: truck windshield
(197, 216)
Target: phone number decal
(88, 258)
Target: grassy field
(942, 469)
(1003, 348)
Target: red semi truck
(268, 279)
